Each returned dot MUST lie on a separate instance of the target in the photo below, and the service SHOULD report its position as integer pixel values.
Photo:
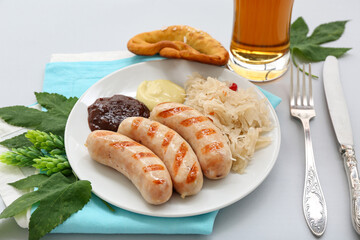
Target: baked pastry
(180, 41)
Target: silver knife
(341, 122)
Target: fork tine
(298, 98)
(304, 94)
(311, 100)
(292, 96)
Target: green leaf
(53, 123)
(309, 48)
(30, 182)
(298, 31)
(22, 116)
(16, 142)
(327, 32)
(56, 103)
(22, 203)
(58, 196)
(61, 205)
(315, 53)
(54, 120)
(45, 189)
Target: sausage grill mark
(212, 147)
(140, 155)
(179, 157)
(136, 123)
(167, 139)
(152, 130)
(159, 181)
(124, 144)
(204, 132)
(190, 121)
(172, 111)
(192, 174)
(153, 167)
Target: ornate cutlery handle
(314, 205)
(348, 154)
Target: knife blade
(342, 126)
(336, 101)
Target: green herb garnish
(46, 154)
(308, 48)
(21, 157)
(58, 197)
(53, 164)
(53, 120)
(49, 142)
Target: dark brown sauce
(108, 113)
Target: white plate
(116, 189)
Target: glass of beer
(259, 49)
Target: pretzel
(180, 41)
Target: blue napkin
(73, 79)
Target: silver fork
(302, 107)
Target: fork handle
(314, 205)
(348, 154)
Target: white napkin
(12, 174)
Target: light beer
(261, 37)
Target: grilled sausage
(176, 153)
(147, 172)
(205, 138)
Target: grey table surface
(30, 31)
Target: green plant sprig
(307, 48)
(47, 154)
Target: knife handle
(350, 163)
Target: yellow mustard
(154, 92)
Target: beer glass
(259, 49)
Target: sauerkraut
(240, 115)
